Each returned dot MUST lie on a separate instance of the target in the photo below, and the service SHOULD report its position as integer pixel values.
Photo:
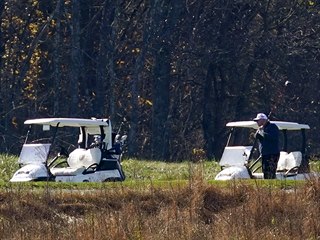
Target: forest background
(174, 72)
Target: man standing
(268, 136)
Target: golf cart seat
(79, 160)
(289, 163)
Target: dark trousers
(269, 165)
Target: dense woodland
(175, 72)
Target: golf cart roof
(68, 122)
(281, 125)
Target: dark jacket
(269, 142)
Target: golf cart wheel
(112, 179)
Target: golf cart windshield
(34, 153)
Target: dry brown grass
(195, 211)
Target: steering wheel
(63, 152)
(92, 168)
(60, 164)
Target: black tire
(113, 179)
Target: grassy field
(136, 169)
(159, 201)
(145, 170)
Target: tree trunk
(161, 80)
(133, 149)
(57, 76)
(210, 112)
(2, 51)
(134, 115)
(105, 50)
(244, 89)
(160, 96)
(75, 59)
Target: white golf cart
(236, 161)
(96, 158)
